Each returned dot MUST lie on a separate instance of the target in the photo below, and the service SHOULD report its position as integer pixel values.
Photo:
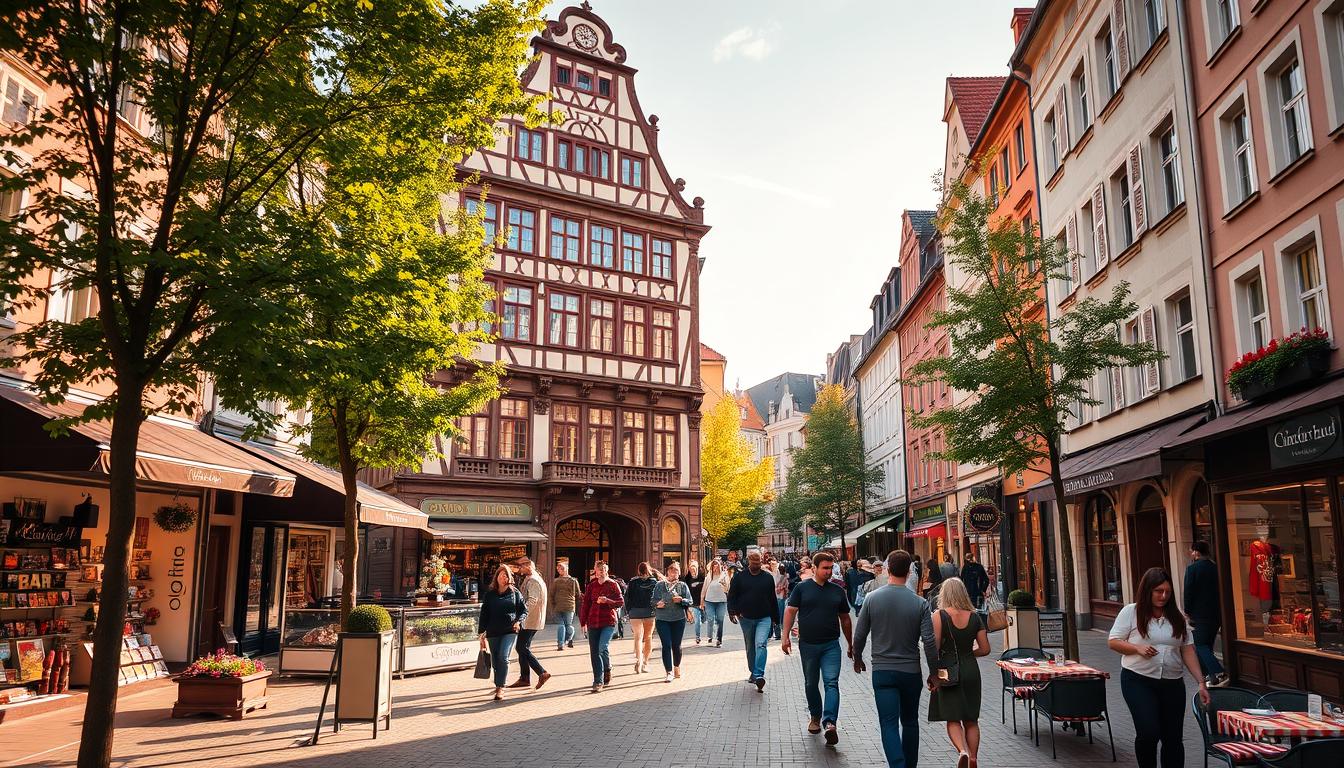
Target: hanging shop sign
(1304, 439)
(476, 509)
(982, 516)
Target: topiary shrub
(1020, 598)
(369, 618)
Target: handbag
(996, 615)
(949, 673)
(483, 670)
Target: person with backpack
(639, 607)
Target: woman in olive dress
(961, 638)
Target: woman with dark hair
(1157, 649)
(502, 614)
(639, 607)
(671, 601)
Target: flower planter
(230, 697)
(1307, 368)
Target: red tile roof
(752, 419)
(707, 353)
(974, 97)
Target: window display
(1103, 550)
(306, 570)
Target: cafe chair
(1228, 749)
(1020, 691)
(1284, 701)
(1317, 753)
(1073, 700)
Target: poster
(141, 533)
(30, 656)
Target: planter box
(230, 697)
(1309, 367)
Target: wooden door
(213, 609)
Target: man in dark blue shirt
(822, 610)
(1203, 609)
(752, 604)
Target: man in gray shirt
(899, 621)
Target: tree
(834, 476)
(1027, 373)
(185, 122)
(745, 534)
(733, 480)
(790, 512)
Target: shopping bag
(996, 616)
(483, 670)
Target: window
(1185, 361)
(473, 439)
(583, 159)
(1051, 143)
(562, 321)
(1170, 151)
(601, 325)
(632, 252)
(564, 432)
(994, 186)
(674, 547)
(1110, 75)
(522, 234)
(565, 239)
(1103, 550)
(1120, 193)
(1078, 85)
(1330, 28)
(512, 428)
(599, 164)
(585, 82)
(1252, 311)
(664, 338)
(1222, 19)
(632, 330)
(661, 258)
(1309, 289)
(516, 323)
(604, 86)
(1293, 105)
(489, 213)
(1154, 13)
(1003, 163)
(601, 246)
(632, 172)
(1086, 244)
(21, 101)
(601, 436)
(529, 145)
(1020, 146)
(81, 304)
(1238, 155)
(634, 438)
(1134, 335)
(564, 76)
(664, 440)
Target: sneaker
(597, 688)
(760, 684)
(561, 647)
(814, 725)
(668, 678)
(719, 644)
(1219, 680)
(832, 735)
(697, 641)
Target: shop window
(1103, 550)
(512, 428)
(1285, 578)
(674, 545)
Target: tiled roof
(708, 353)
(801, 386)
(974, 97)
(752, 418)
(923, 224)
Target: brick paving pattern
(710, 717)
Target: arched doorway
(1148, 534)
(591, 536)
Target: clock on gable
(585, 37)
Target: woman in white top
(714, 601)
(1157, 649)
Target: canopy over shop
(864, 539)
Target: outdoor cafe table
(1043, 672)
(1283, 725)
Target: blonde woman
(503, 612)
(714, 601)
(961, 637)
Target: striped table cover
(1290, 725)
(1040, 673)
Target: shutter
(1062, 121)
(1071, 243)
(1117, 378)
(1137, 205)
(1099, 243)
(1121, 34)
(1152, 380)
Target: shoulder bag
(949, 672)
(996, 616)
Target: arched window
(1103, 550)
(674, 546)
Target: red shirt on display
(1261, 576)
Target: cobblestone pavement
(710, 717)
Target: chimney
(1021, 17)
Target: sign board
(983, 517)
(927, 513)
(814, 542)
(1306, 438)
(476, 509)
(1052, 631)
(33, 533)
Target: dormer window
(585, 82)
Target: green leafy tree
(834, 477)
(790, 513)
(1027, 374)
(735, 483)
(185, 123)
(745, 534)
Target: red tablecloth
(1292, 725)
(1041, 672)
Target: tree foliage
(1026, 373)
(834, 477)
(745, 534)
(733, 480)
(790, 511)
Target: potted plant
(1282, 363)
(1024, 626)
(177, 517)
(364, 678)
(434, 576)
(221, 684)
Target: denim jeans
(756, 633)
(564, 631)
(776, 627)
(699, 615)
(1158, 709)
(500, 648)
(821, 664)
(897, 697)
(669, 636)
(1204, 637)
(715, 614)
(599, 651)
(527, 661)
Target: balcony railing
(493, 468)
(607, 474)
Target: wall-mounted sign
(30, 533)
(1304, 439)
(983, 516)
(476, 509)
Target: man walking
(859, 575)
(1202, 607)
(975, 578)
(822, 611)
(534, 597)
(898, 621)
(565, 596)
(751, 603)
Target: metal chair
(1316, 753)
(1284, 701)
(1227, 749)
(1011, 685)
(1073, 700)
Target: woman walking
(671, 603)
(695, 581)
(639, 609)
(961, 637)
(502, 614)
(714, 602)
(600, 601)
(1157, 649)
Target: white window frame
(1330, 32)
(1050, 127)
(1169, 170)
(1106, 55)
(7, 75)
(1179, 329)
(1154, 9)
(1120, 194)
(1082, 108)
(1219, 26)
(1272, 106)
(1286, 249)
(1230, 153)
(1239, 279)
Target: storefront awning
(932, 529)
(1260, 415)
(169, 452)
(853, 536)
(500, 533)
(1130, 458)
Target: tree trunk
(840, 521)
(1066, 555)
(350, 561)
(95, 742)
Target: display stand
(35, 596)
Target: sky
(807, 127)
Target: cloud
(746, 43)
(764, 185)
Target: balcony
(467, 467)
(574, 473)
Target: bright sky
(807, 127)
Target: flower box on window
(1281, 364)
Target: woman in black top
(502, 615)
(696, 581)
(639, 607)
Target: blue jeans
(500, 648)
(821, 664)
(669, 636)
(1204, 637)
(775, 628)
(715, 616)
(599, 651)
(699, 619)
(897, 697)
(756, 633)
(564, 631)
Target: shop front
(927, 535)
(983, 536)
(876, 537)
